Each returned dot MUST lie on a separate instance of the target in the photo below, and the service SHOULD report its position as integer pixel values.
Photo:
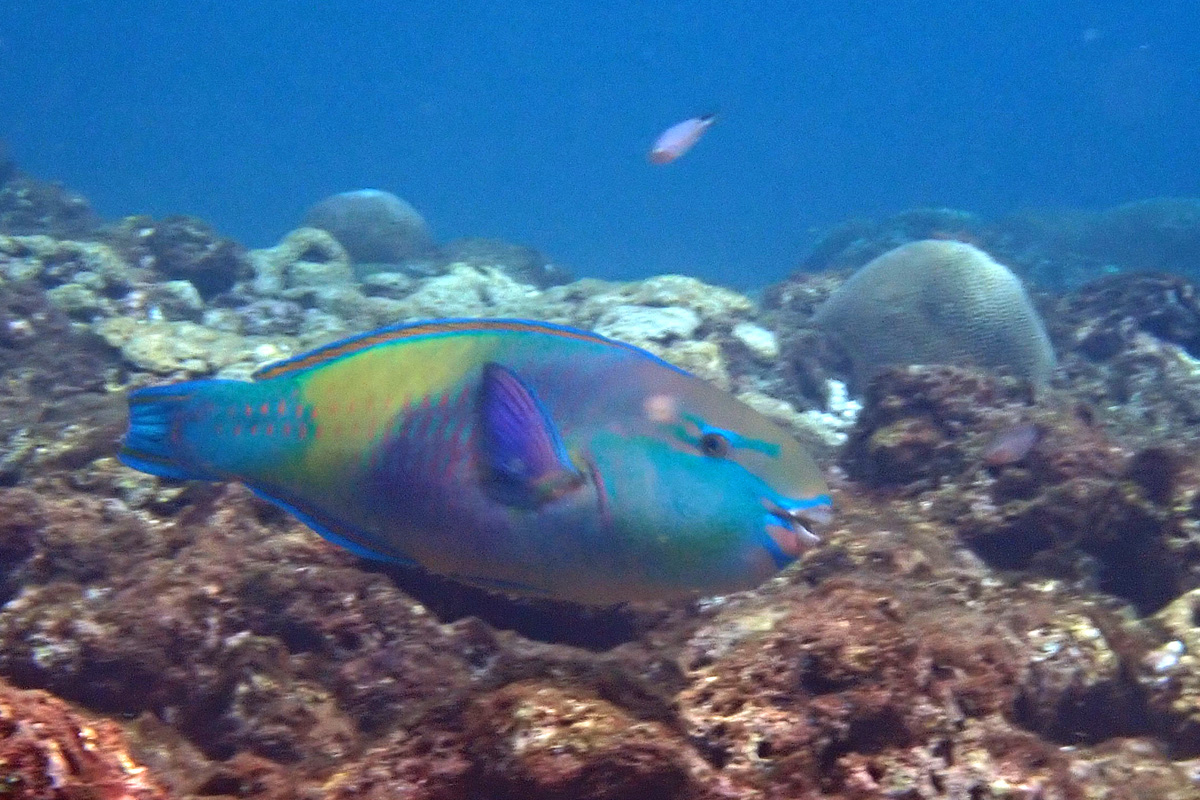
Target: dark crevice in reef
(595, 629)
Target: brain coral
(937, 302)
(373, 226)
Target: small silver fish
(679, 138)
(1012, 444)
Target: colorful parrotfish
(518, 456)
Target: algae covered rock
(541, 741)
(375, 227)
(50, 750)
(524, 264)
(183, 248)
(937, 302)
(757, 340)
(76, 300)
(639, 324)
(851, 691)
(53, 262)
(305, 257)
(167, 348)
(711, 303)
(470, 292)
(29, 206)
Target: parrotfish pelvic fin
(520, 446)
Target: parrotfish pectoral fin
(524, 454)
(153, 443)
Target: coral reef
(375, 227)
(1005, 607)
(1077, 505)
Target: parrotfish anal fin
(502, 586)
(525, 457)
(341, 534)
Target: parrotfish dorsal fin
(521, 448)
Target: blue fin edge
(345, 540)
(431, 328)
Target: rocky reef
(1006, 606)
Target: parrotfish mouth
(788, 527)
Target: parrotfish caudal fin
(153, 443)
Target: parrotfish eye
(714, 445)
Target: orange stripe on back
(355, 344)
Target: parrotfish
(522, 457)
(679, 138)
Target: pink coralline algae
(49, 751)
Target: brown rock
(50, 752)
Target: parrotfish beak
(788, 528)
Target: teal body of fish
(518, 456)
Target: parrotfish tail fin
(153, 443)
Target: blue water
(530, 120)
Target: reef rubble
(977, 626)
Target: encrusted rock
(29, 206)
(524, 264)
(1074, 688)
(1170, 674)
(639, 325)
(395, 285)
(469, 292)
(271, 317)
(543, 742)
(49, 751)
(57, 261)
(175, 300)
(76, 300)
(759, 341)
(304, 254)
(183, 248)
(702, 359)
(712, 303)
(176, 347)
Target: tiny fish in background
(1011, 445)
(679, 138)
(518, 456)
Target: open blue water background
(530, 120)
